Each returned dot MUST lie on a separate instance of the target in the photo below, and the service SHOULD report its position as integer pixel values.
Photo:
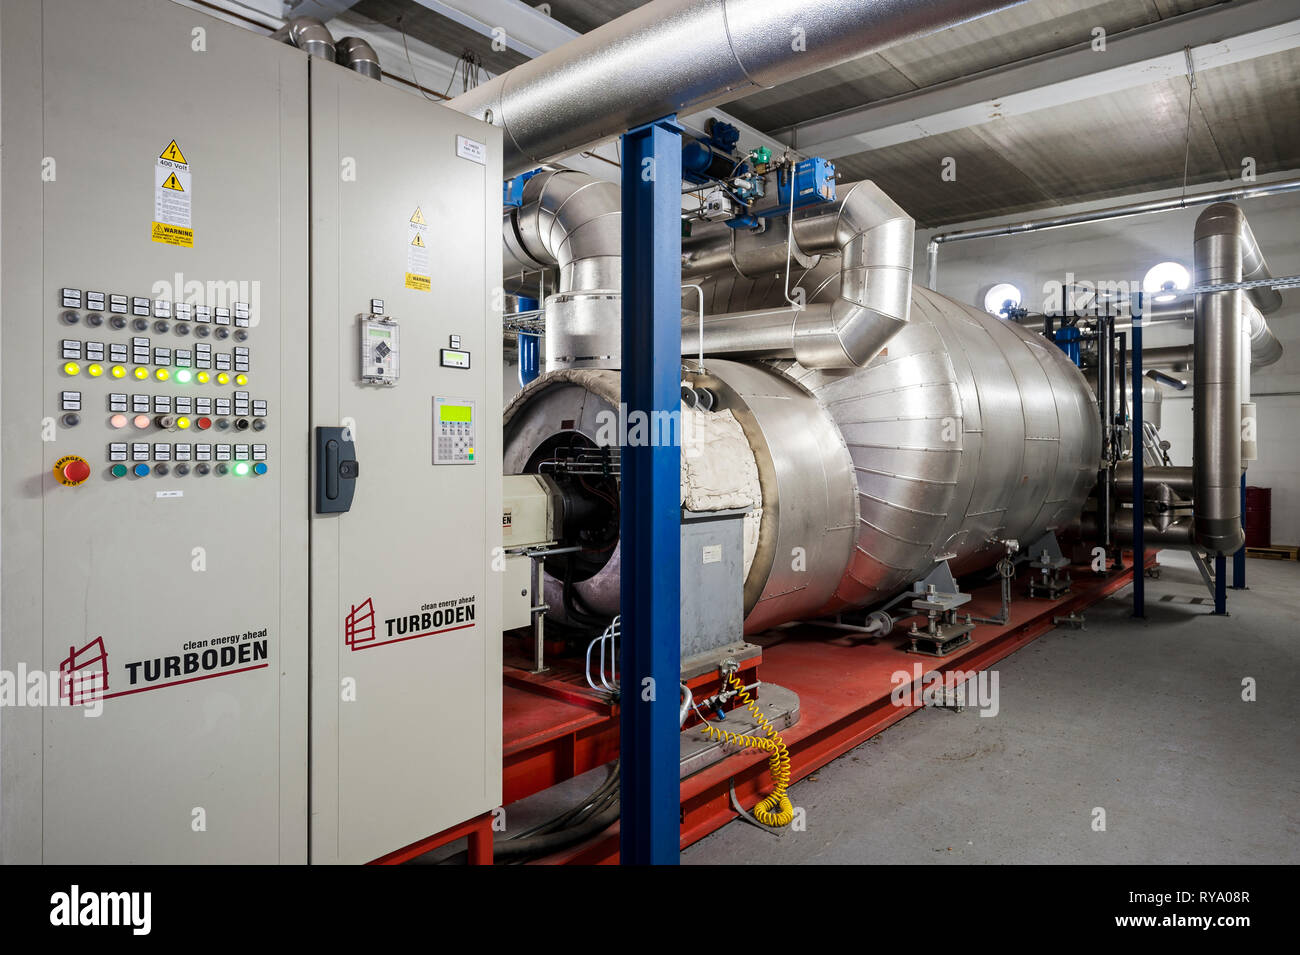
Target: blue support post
(1220, 585)
(1239, 558)
(650, 523)
(530, 364)
(1139, 492)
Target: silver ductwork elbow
(873, 238)
(572, 221)
(358, 55)
(309, 35)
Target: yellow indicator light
(203, 377)
(182, 422)
(71, 368)
(223, 379)
(118, 371)
(162, 374)
(94, 371)
(141, 373)
(241, 379)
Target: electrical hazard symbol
(172, 187)
(419, 276)
(174, 154)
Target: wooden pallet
(1274, 553)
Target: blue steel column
(650, 545)
(1139, 491)
(1239, 558)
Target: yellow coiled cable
(775, 810)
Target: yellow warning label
(419, 283)
(418, 218)
(418, 240)
(173, 235)
(173, 152)
(173, 183)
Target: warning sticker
(417, 252)
(172, 195)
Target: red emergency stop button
(203, 424)
(71, 470)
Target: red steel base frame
(557, 727)
(844, 686)
(479, 833)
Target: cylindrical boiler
(964, 432)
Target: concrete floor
(1143, 720)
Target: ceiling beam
(320, 9)
(1217, 36)
(520, 27)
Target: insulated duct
(873, 238)
(309, 35)
(358, 55)
(675, 56)
(572, 221)
(1223, 251)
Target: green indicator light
(183, 377)
(241, 468)
(119, 470)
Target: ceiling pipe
(1111, 212)
(678, 56)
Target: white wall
(1123, 249)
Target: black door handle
(336, 471)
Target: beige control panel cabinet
(188, 263)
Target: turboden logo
(133, 909)
(950, 688)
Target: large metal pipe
(1179, 479)
(1177, 533)
(676, 56)
(873, 238)
(358, 55)
(1265, 349)
(572, 221)
(1110, 212)
(1219, 253)
(309, 35)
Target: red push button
(71, 470)
(75, 472)
(203, 424)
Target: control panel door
(154, 477)
(406, 411)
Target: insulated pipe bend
(873, 238)
(572, 220)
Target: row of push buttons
(183, 376)
(238, 468)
